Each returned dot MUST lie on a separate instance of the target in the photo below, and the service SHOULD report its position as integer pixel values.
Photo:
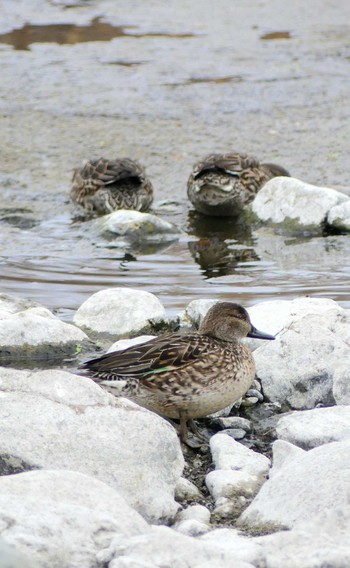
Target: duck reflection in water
(223, 243)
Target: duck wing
(103, 172)
(231, 164)
(163, 354)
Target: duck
(102, 186)
(188, 375)
(222, 184)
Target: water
(61, 262)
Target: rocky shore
(93, 480)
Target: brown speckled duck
(222, 184)
(185, 375)
(103, 186)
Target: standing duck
(103, 186)
(222, 184)
(185, 375)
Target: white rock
(76, 425)
(231, 455)
(62, 519)
(311, 428)
(125, 343)
(119, 311)
(231, 541)
(299, 366)
(195, 312)
(235, 422)
(11, 558)
(232, 484)
(274, 315)
(321, 542)
(137, 226)
(31, 331)
(185, 490)
(341, 383)
(166, 547)
(195, 512)
(302, 487)
(339, 216)
(193, 521)
(291, 201)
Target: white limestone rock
(295, 204)
(30, 331)
(231, 455)
(232, 484)
(76, 425)
(298, 367)
(301, 486)
(135, 225)
(321, 542)
(311, 428)
(165, 547)
(194, 313)
(11, 558)
(193, 521)
(341, 383)
(339, 216)
(62, 519)
(119, 311)
(274, 315)
(232, 541)
(185, 490)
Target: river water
(167, 83)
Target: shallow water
(167, 84)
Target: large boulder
(311, 428)
(120, 312)
(294, 204)
(62, 519)
(57, 420)
(301, 486)
(30, 331)
(299, 366)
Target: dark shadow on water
(61, 34)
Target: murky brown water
(167, 85)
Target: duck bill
(259, 334)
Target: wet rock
(120, 311)
(295, 204)
(135, 225)
(163, 546)
(301, 486)
(185, 490)
(339, 216)
(30, 331)
(76, 425)
(63, 518)
(312, 428)
(298, 367)
(323, 541)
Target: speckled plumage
(185, 375)
(103, 186)
(222, 184)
